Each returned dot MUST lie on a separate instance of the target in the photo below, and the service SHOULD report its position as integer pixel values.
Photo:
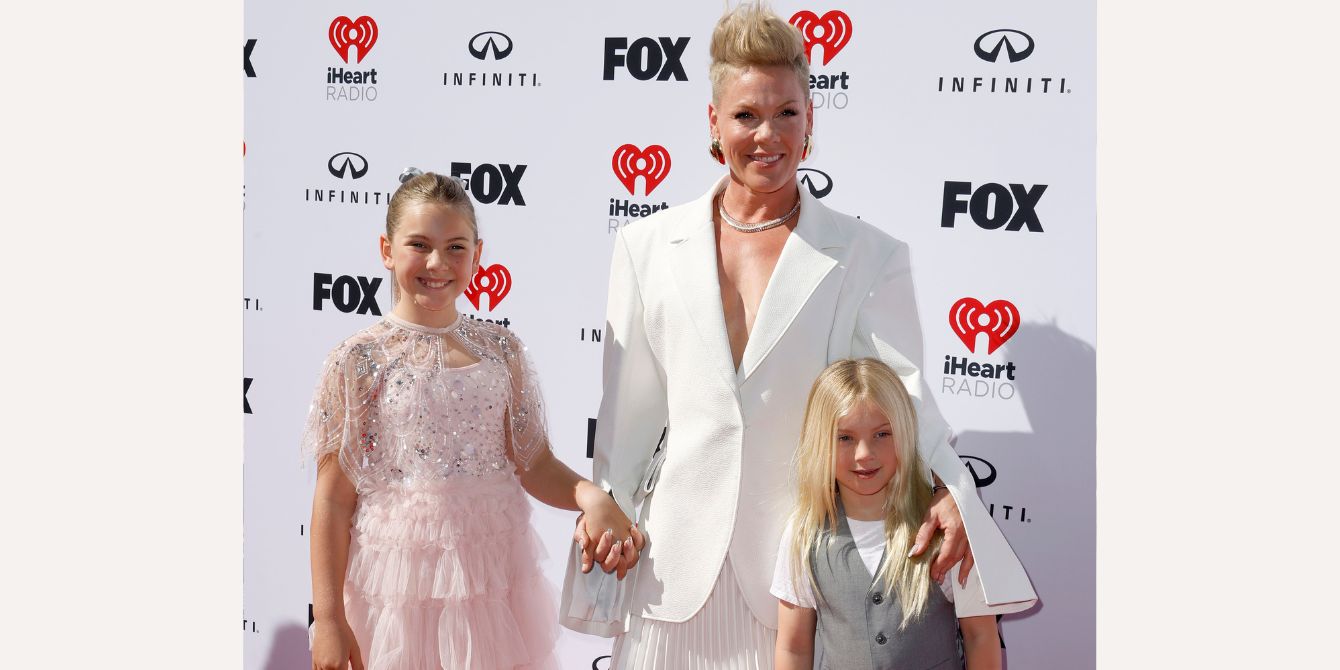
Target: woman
(721, 313)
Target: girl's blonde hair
(836, 392)
(751, 35)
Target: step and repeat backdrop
(964, 128)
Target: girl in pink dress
(428, 431)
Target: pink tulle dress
(443, 563)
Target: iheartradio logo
(832, 30)
(359, 34)
(999, 320)
(652, 164)
(494, 281)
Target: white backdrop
(912, 117)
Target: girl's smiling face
(866, 452)
(433, 257)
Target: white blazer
(841, 289)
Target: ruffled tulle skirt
(447, 576)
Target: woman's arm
(633, 403)
(888, 327)
(333, 644)
(795, 636)
(981, 642)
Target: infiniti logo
(487, 42)
(989, 44)
(352, 163)
(983, 472)
(819, 183)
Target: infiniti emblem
(490, 42)
(989, 45)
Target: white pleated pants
(723, 635)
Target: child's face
(867, 456)
(433, 258)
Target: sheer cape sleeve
(526, 425)
(337, 420)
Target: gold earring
(715, 150)
(807, 147)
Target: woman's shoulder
(663, 224)
(862, 232)
(639, 232)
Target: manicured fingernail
(915, 549)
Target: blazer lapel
(695, 262)
(806, 259)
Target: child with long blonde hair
(428, 431)
(843, 577)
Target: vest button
(881, 639)
(877, 598)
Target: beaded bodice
(397, 413)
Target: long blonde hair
(837, 390)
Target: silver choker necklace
(755, 227)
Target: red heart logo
(999, 320)
(346, 34)
(494, 281)
(630, 162)
(832, 30)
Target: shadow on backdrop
(1057, 387)
(288, 649)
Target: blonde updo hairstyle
(751, 35)
(428, 188)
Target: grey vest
(858, 620)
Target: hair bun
(409, 173)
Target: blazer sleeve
(888, 327)
(632, 415)
(633, 405)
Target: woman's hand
(944, 514)
(605, 533)
(334, 646)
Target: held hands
(606, 535)
(944, 514)
(334, 646)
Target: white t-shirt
(869, 538)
